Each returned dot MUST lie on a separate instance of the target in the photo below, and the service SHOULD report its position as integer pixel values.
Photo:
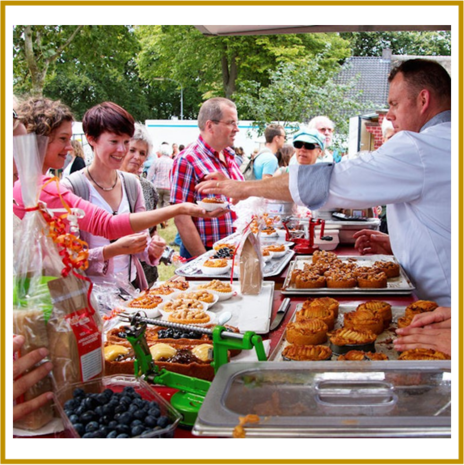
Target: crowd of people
(410, 174)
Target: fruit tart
(391, 269)
(363, 320)
(327, 302)
(343, 340)
(383, 309)
(321, 312)
(359, 356)
(310, 331)
(423, 354)
(146, 300)
(306, 353)
(375, 280)
(189, 317)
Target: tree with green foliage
(421, 43)
(298, 92)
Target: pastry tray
(192, 269)
(383, 344)
(395, 286)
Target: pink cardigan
(96, 220)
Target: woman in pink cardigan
(54, 120)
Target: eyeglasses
(231, 123)
(298, 145)
(284, 136)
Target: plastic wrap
(247, 210)
(51, 294)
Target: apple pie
(311, 331)
(306, 353)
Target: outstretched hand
(372, 242)
(198, 212)
(219, 184)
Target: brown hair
(42, 115)
(285, 154)
(271, 131)
(108, 117)
(425, 74)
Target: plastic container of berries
(115, 407)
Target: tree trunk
(229, 73)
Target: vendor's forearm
(274, 188)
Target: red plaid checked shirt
(189, 168)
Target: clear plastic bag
(251, 264)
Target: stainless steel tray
(383, 344)
(401, 399)
(395, 286)
(192, 269)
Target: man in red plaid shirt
(212, 151)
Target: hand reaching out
(156, 247)
(372, 242)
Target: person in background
(387, 132)
(326, 127)
(218, 124)
(239, 154)
(139, 148)
(77, 159)
(181, 147)
(265, 161)
(175, 150)
(160, 173)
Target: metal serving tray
(330, 399)
(395, 286)
(192, 269)
(383, 343)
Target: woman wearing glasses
(309, 145)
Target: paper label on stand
(89, 342)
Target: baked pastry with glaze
(391, 269)
(327, 302)
(216, 285)
(320, 312)
(146, 300)
(162, 290)
(343, 340)
(183, 304)
(309, 281)
(189, 317)
(423, 354)
(363, 320)
(324, 255)
(311, 331)
(275, 248)
(383, 309)
(359, 355)
(306, 353)
(201, 295)
(372, 280)
(338, 280)
(420, 306)
(216, 263)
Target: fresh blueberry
(74, 418)
(154, 412)
(89, 435)
(112, 424)
(123, 429)
(103, 431)
(150, 421)
(90, 403)
(163, 421)
(108, 409)
(91, 427)
(112, 434)
(122, 435)
(88, 416)
(125, 418)
(140, 414)
(120, 409)
(80, 429)
(102, 399)
(136, 423)
(80, 410)
(99, 410)
(71, 404)
(78, 392)
(137, 430)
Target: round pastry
(162, 290)
(224, 245)
(324, 255)
(420, 306)
(309, 281)
(363, 320)
(211, 203)
(383, 309)
(423, 354)
(221, 289)
(183, 304)
(359, 355)
(404, 321)
(215, 266)
(178, 283)
(146, 301)
(372, 280)
(189, 317)
(306, 353)
(326, 302)
(276, 248)
(316, 268)
(311, 331)
(320, 312)
(202, 296)
(391, 269)
(337, 280)
(343, 340)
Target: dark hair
(42, 115)
(425, 74)
(181, 147)
(271, 131)
(285, 154)
(108, 117)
